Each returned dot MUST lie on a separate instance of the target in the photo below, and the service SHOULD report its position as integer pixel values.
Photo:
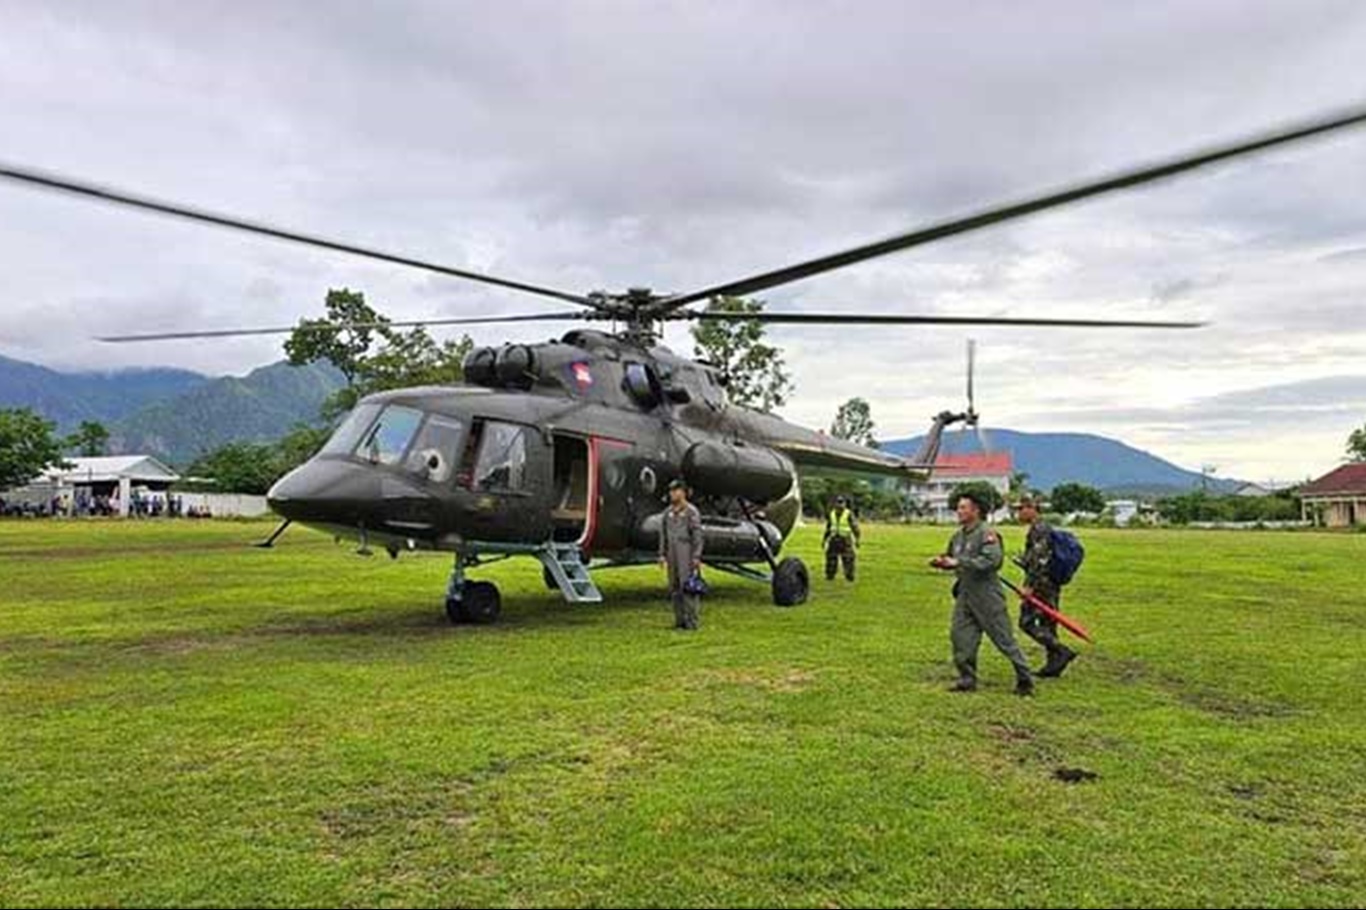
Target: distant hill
(69, 398)
(261, 406)
(1053, 458)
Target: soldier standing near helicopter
(680, 553)
(841, 540)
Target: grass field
(184, 720)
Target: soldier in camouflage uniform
(680, 553)
(975, 555)
(1039, 582)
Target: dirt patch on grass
(791, 679)
(404, 810)
(116, 550)
(1074, 775)
(1010, 734)
(1200, 696)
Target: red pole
(1052, 612)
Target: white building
(115, 479)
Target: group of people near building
(85, 504)
(974, 555)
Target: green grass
(184, 720)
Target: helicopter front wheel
(479, 602)
(791, 582)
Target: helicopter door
(571, 488)
(509, 463)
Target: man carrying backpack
(1037, 562)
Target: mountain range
(1099, 461)
(178, 415)
(175, 415)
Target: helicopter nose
(324, 492)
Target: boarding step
(565, 564)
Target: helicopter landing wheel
(481, 603)
(791, 582)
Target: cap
(1023, 501)
(678, 483)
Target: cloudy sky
(592, 145)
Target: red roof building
(949, 471)
(1338, 498)
(984, 466)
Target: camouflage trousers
(1038, 626)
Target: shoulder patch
(990, 537)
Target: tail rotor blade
(972, 359)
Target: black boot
(1024, 684)
(964, 684)
(1058, 659)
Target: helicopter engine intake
(754, 473)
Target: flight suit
(1035, 559)
(680, 546)
(841, 542)
(980, 604)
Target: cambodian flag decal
(583, 374)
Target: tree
(1019, 483)
(754, 372)
(1076, 497)
(981, 490)
(854, 422)
(370, 353)
(299, 445)
(90, 439)
(246, 467)
(1356, 445)
(240, 467)
(28, 446)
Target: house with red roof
(1338, 498)
(949, 471)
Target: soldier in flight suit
(680, 553)
(1039, 582)
(841, 540)
(975, 556)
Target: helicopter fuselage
(570, 442)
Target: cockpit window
(389, 438)
(641, 385)
(502, 457)
(437, 448)
(349, 433)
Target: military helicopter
(561, 451)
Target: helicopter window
(386, 442)
(642, 385)
(351, 430)
(502, 457)
(434, 452)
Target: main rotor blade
(1009, 212)
(891, 319)
(120, 197)
(285, 330)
